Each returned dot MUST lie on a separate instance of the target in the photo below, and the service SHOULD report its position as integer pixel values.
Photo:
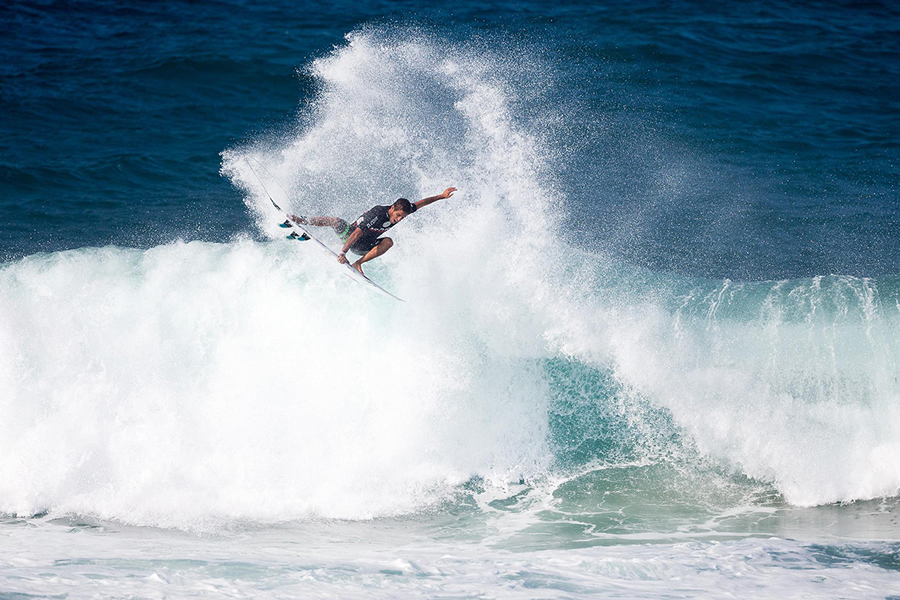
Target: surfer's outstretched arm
(426, 201)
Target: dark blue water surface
(744, 140)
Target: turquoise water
(649, 348)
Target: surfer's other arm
(426, 201)
(351, 239)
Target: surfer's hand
(342, 259)
(448, 192)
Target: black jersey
(373, 222)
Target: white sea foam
(48, 559)
(195, 381)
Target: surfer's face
(396, 214)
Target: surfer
(362, 236)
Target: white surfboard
(349, 270)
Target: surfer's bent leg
(324, 221)
(383, 245)
(340, 226)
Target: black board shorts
(362, 245)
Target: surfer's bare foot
(358, 266)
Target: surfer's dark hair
(405, 205)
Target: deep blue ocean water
(779, 120)
(650, 348)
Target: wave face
(193, 384)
